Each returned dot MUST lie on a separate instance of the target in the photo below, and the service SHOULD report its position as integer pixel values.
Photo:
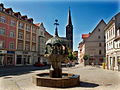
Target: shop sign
(11, 52)
(3, 51)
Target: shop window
(28, 60)
(3, 20)
(2, 59)
(19, 59)
(10, 59)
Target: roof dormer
(17, 14)
(1, 7)
(24, 17)
(9, 11)
(30, 20)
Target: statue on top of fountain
(56, 51)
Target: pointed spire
(69, 18)
(56, 32)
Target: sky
(86, 14)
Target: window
(41, 33)
(12, 23)
(99, 52)
(20, 46)
(11, 45)
(34, 29)
(19, 59)
(27, 27)
(20, 35)
(98, 37)
(27, 47)
(33, 48)
(9, 59)
(28, 37)
(100, 45)
(10, 12)
(18, 16)
(113, 30)
(98, 29)
(34, 39)
(11, 33)
(3, 20)
(2, 31)
(2, 44)
(21, 25)
(1, 8)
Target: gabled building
(93, 45)
(43, 36)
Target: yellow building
(26, 41)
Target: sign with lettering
(3, 51)
(11, 52)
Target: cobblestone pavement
(91, 78)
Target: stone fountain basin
(67, 80)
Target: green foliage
(71, 56)
(85, 57)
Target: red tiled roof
(37, 24)
(84, 36)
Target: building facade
(41, 43)
(112, 33)
(93, 45)
(26, 41)
(7, 36)
(18, 38)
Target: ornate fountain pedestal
(56, 51)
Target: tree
(85, 57)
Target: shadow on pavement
(88, 85)
(19, 70)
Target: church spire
(69, 18)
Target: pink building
(7, 36)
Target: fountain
(56, 51)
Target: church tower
(69, 32)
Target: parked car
(38, 64)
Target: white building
(43, 36)
(93, 45)
(112, 33)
